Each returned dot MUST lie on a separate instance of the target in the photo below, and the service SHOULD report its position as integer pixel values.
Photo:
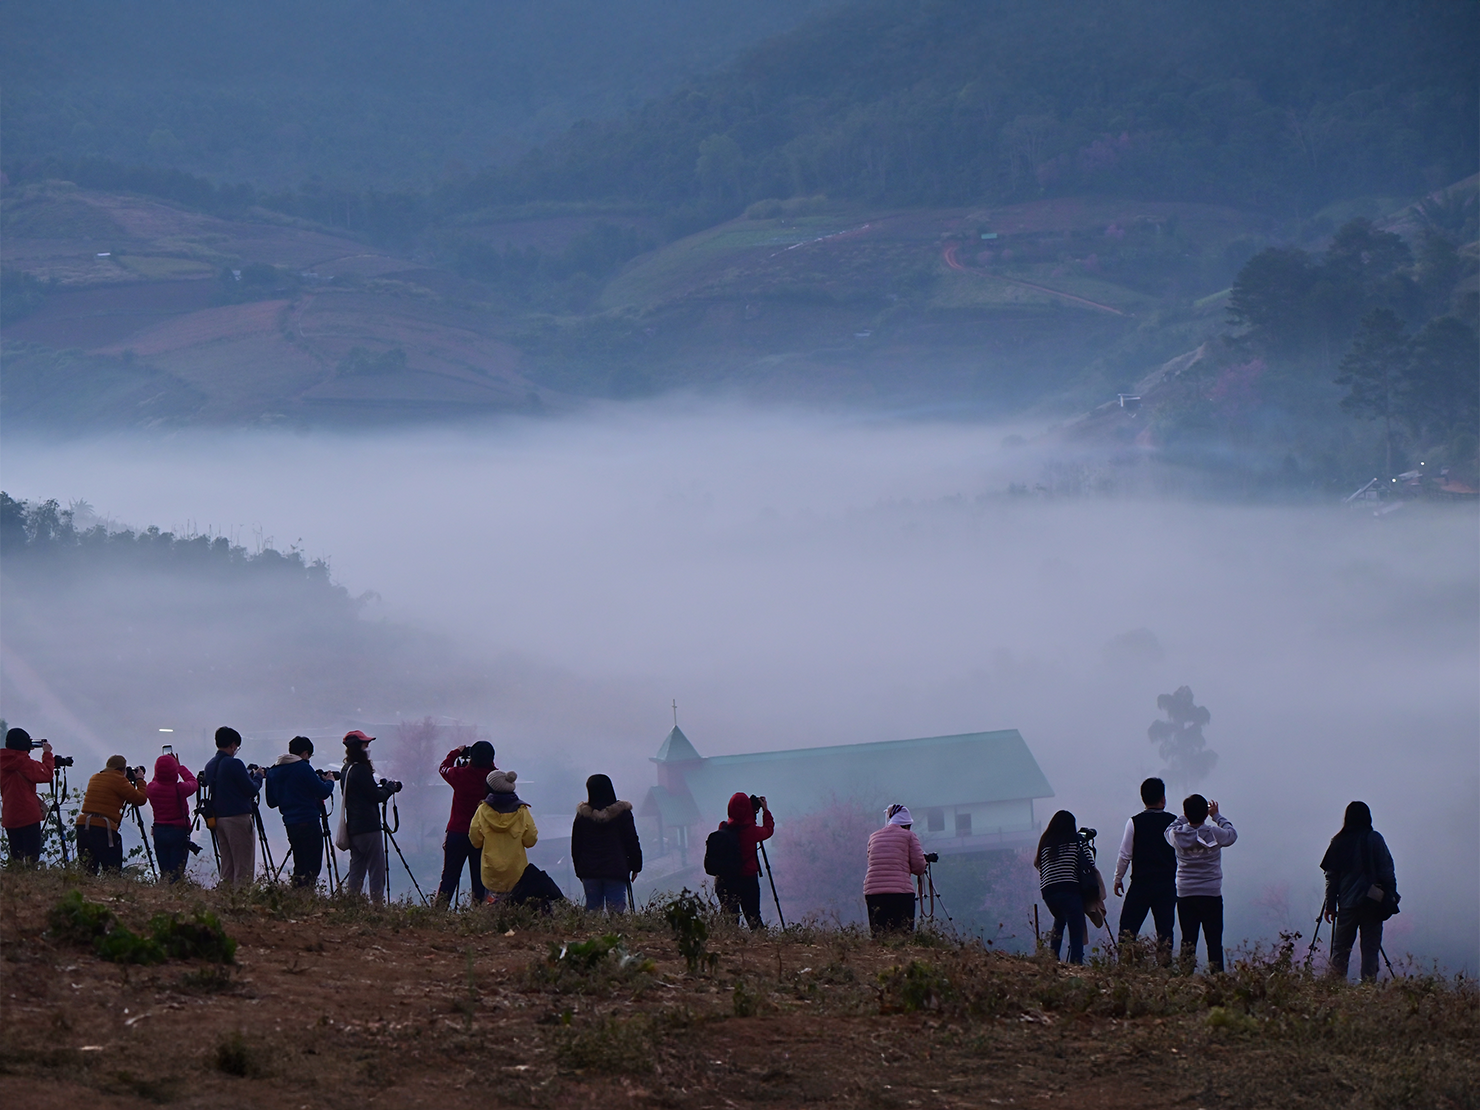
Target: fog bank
(793, 580)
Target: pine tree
(1180, 738)
(1375, 373)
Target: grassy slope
(335, 1004)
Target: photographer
(1199, 837)
(362, 820)
(20, 808)
(1062, 861)
(1361, 891)
(894, 858)
(169, 793)
(297, 791)
(739, 889)
(466, 770)
(234, 791)
(99, 839)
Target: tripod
(929, 896)
(56, 812)
(774, 897)
(268, 868)
(329, 847)
(389, 841)
(200, 814)
(144, 835)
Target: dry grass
(332, 1002)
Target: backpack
(1387, 900)
(535, 887)
(722, 853)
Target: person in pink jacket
(894, 859)
(169, 793)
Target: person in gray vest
(1153, 867)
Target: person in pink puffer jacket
(894, 858)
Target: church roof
(676, 749)
(963, 769)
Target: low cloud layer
(794, 580)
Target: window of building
(935, 820)
(963, 824)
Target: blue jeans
(612, 892)
(1066, 903)
(169, 846)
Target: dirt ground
(332, 1004)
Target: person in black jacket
(362, 821)
(1361, 890)
(604, 847)
(1153, 867)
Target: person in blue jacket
(297, 791)
(233, 798)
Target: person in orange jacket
(20, 808)
(99, 825)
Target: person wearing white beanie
(895, 857)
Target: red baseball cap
(356, 737)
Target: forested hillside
(365, 92)
(1281, 105)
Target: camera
(932, 857)
(252, 768)
(334, 775)
(391, 785)
(62, 761)
(755, 802)
(132, 774)
(1088, 834)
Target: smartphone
(167, 749)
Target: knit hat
(18, 740)
(117, 763)
(898, 815)
(501, 782)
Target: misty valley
(875, 516)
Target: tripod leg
(774, 897)
(148, 853)
(278, 874)
(404, 864)
(267, 868)
(1387, 961)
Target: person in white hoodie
(1199, 846)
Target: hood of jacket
(287, 758)
(606, 813)
(502, 819)
(167, 770)
(504, 803)
(740, 810)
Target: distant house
(969, 793)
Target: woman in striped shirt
(1061, 856)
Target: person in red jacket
(169, 793)
(742, 893)
(466, 770)
(20, 808)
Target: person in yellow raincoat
(503, 828)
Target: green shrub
(124, 946)
(234, 1056)
(198, 937)
(590, 965)
(916, 986)
(685, 916)
(78, 922)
